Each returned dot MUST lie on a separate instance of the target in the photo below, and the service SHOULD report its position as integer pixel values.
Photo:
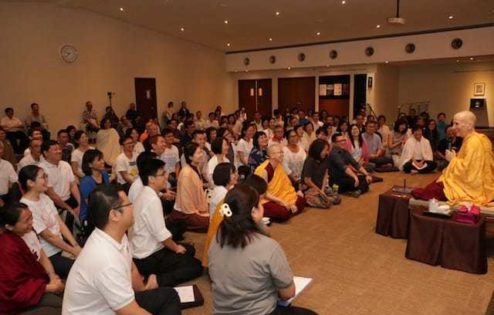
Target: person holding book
(249, 271)
(417, 154)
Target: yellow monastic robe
(280, 185)
(470, 175)
(214, 225)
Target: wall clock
(69, 53)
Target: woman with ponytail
(27, 277)
(249, 271)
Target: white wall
(448, 87)
(111, 54)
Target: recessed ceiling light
(343, 2)
(386, 61)
(228, 44)
(471, 58)
(246, 70)
(318, 33)
(121, 9)
(270, 39)
(226, 21)
(289, 68)
(457, 60)
(451, 17)
(378, 26)
(182, 29)
(277, 13)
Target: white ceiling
(252, 22)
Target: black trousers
(19, 141)
(160, 301)
(347, 183)
(171, 268)
(292, 310)
(61, 265)
(383, 160)
(408, 167)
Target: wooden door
(359, 93)
(247, 96)
(299, 92)
(264, 97)
(146, 101)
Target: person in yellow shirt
(469, 176)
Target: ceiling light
(228, 44)
(121, 9)
(182, 29)
(471, 58)
(270, 39)
(289, 68)
(318, 33)
(343, 2)
(277, 13)
(226, 22)
(378, 26)
(386, 61)
(450, 17)
(457, 60)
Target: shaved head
(464, 123)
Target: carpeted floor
(357, 271)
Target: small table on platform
(445, 242)
(393, 214)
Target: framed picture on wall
(479, 89)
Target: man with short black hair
(103, 278)
(65, 145)
(155, 252)
(14, 128)
(375, 146)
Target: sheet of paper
(186, 294)
(300, 284)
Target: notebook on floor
(300, 284)
(190, 296)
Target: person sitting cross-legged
(281, 201)
(417, 154)
(155, 252)
(344, 171)
(104, 280)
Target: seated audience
(375, 146)
(224, 177)
(138, 146)
(82, 141)
(245, 144)
(293, 157)
(8, 150)
(357, 146)
(14, 128)
(36, 117)
(345, 172)
(281, 200)
(187, 134)
(417, 154)
(155, 252)
(452, 143)
(469, 176)
(432, 134)
(259, 151)
(152, 129)
(34, 157)
(442, 126)
(170, 156)
(315, 176)
(55, 237)
(93, 167)
(104, 280)
(278, 136)
(219, 147)
(66, 146)
(239, 286)
(8, 177)
(308, 137)
(107, 141)
(125, 164)
(383, 130)
(397, 139)
(62, 185)
(90, 121)
(28, 280)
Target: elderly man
(281, 200)
(470, 174)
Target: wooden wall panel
(298, 92)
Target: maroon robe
(23, 279)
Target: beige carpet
(357, 271)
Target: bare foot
(152, 282)
(413, 172)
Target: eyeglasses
(122, 206)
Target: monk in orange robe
(469, 176)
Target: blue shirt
(88, 184)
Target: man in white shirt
(199, 121)
(62, 186)
(34, 157)
(170, 154)
(417, 154)
(7, 177)
(155, 252)
(125, 164)
(103, 278)
(14, 128)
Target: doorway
(147, 105)
(360, 93)
(255, 95)
(296, 92)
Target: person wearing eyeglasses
(155, 251)
(104, 280)
(344, 171)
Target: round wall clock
(69, 53)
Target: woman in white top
(224, 177)
(294, 157)
(46, 221)
(220, 147)
(138, 146)
(246, 144)
(82, 141)
(266, 127)
(383, 130)
(308, 136)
